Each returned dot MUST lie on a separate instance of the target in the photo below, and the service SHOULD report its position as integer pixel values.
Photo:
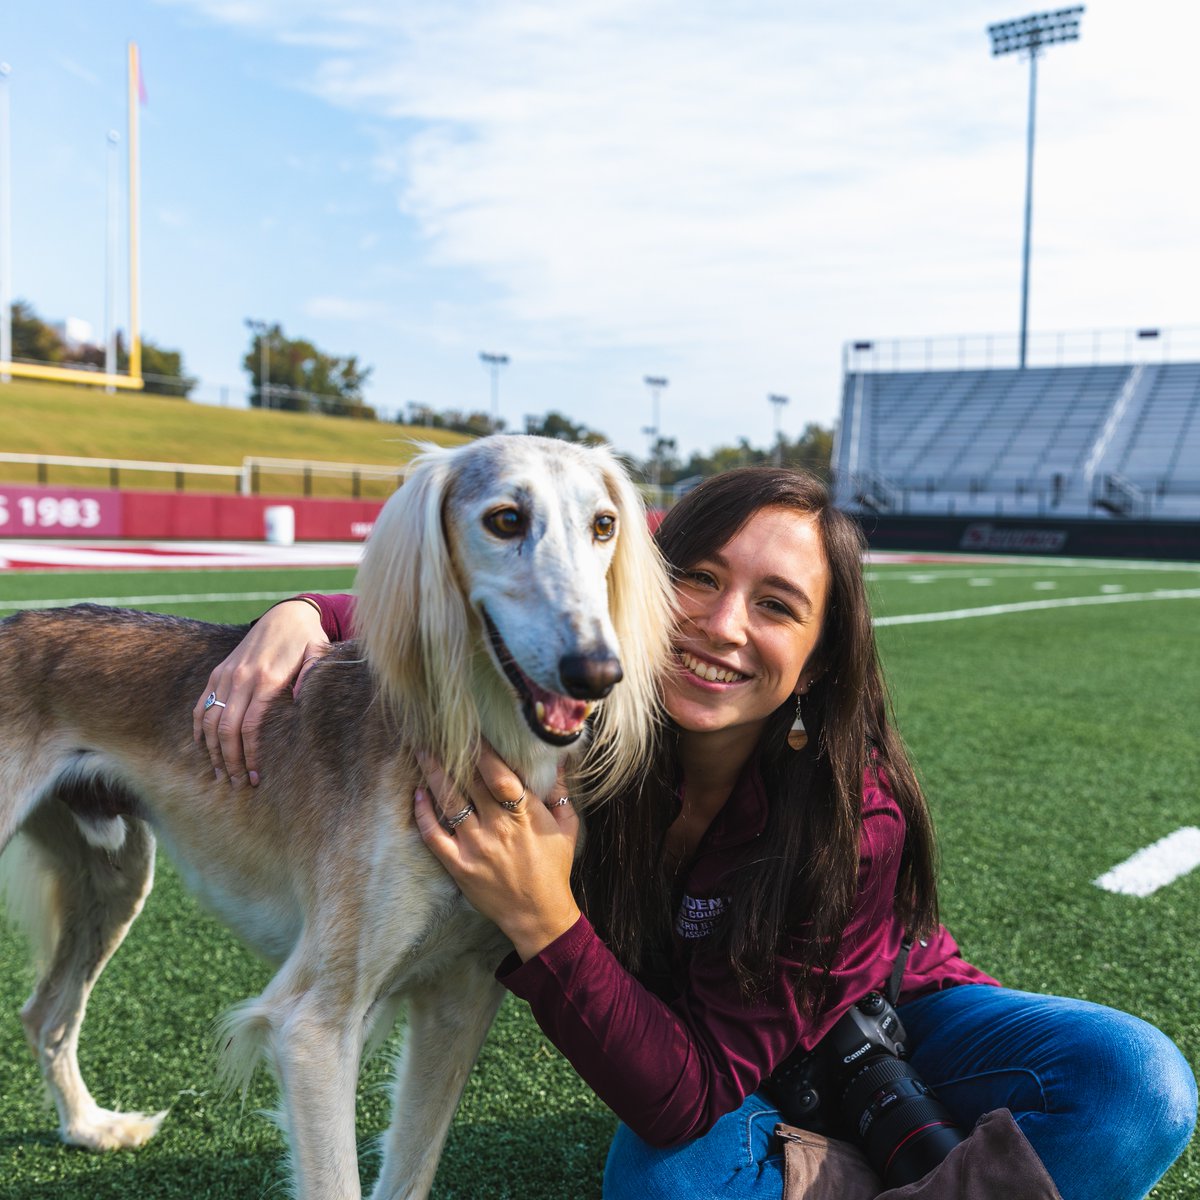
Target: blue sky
(720, 194)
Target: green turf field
(1055, 737)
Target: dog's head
(509, 589)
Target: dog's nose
(589, 676)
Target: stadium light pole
(110, 263)
(655, 383)
(494, 363)
(5, 227)
(260, 328)
(777, 402)
(135, 274)
(1031, 34)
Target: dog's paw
(99, 1129)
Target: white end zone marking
(1154, 867)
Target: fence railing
(975, 351)
(255, 476)
(307, 471)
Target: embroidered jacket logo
(698, 918)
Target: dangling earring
(797, 736)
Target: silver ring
(513, 805)
(452, 823)
(562, 800)
(211, 700)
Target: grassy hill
(62, 419)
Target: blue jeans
(1106, 1100)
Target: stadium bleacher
(1108, 440)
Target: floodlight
(494, 362)
(655, 383)
(777, 402)
(1031, 34)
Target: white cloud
(173, 218)
(79, 71)
(342, 308)
(736, 190)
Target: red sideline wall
(113, 513)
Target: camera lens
(905, 1130)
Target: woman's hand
(276, 652)
(512, 864)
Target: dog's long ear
(413, 620)
(639, 602)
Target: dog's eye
(604, 526)
(507, 522)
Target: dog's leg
(313, 1041)
(90, 897)
(316, 1059)
(447, 1023)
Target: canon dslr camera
(855, 1084)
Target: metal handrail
(120, 464)
(245, 475)
(991, 351)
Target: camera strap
(893, 987)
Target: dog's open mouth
(556, 719)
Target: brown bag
(995, 1163)
(821, 1168)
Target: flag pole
(135, 337)
(5, 228)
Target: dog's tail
(30, 894)
(243, 1034)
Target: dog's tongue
(558, 712)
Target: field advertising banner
(59, 512)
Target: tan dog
(506, 588)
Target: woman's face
(749, 618)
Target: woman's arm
(669, 1067)
(273, 655)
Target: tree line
(811, 450)
(295, 375)
(36, 340)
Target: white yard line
(996, 610)
(957, 614)
(104, 556)
(1143, 873)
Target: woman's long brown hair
(801, 876)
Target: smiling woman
(737, 901)
(747, 632)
